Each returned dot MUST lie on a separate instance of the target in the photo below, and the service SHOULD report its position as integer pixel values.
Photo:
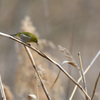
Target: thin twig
(2, 93)
(95, 86)
(56, 79)
(33, 63)
(82, 73)
(48, 58)
(68, 62)
(71, 62)
(92, 62)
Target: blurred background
(74, 25)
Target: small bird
(27, 37)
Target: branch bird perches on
(48, 58)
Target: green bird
(27, 37)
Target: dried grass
(9, 95)
(26, 78)
(27, 81)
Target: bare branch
(2, 93)
(82, 73)
(68, 62)
(71, 62)
(48, 58)
(33, 63)
(95, 86)
(87, 69)
(56, 79)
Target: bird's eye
(35, 40)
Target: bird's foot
(29, 44)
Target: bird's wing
(25, 38)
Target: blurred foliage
(27, 81)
